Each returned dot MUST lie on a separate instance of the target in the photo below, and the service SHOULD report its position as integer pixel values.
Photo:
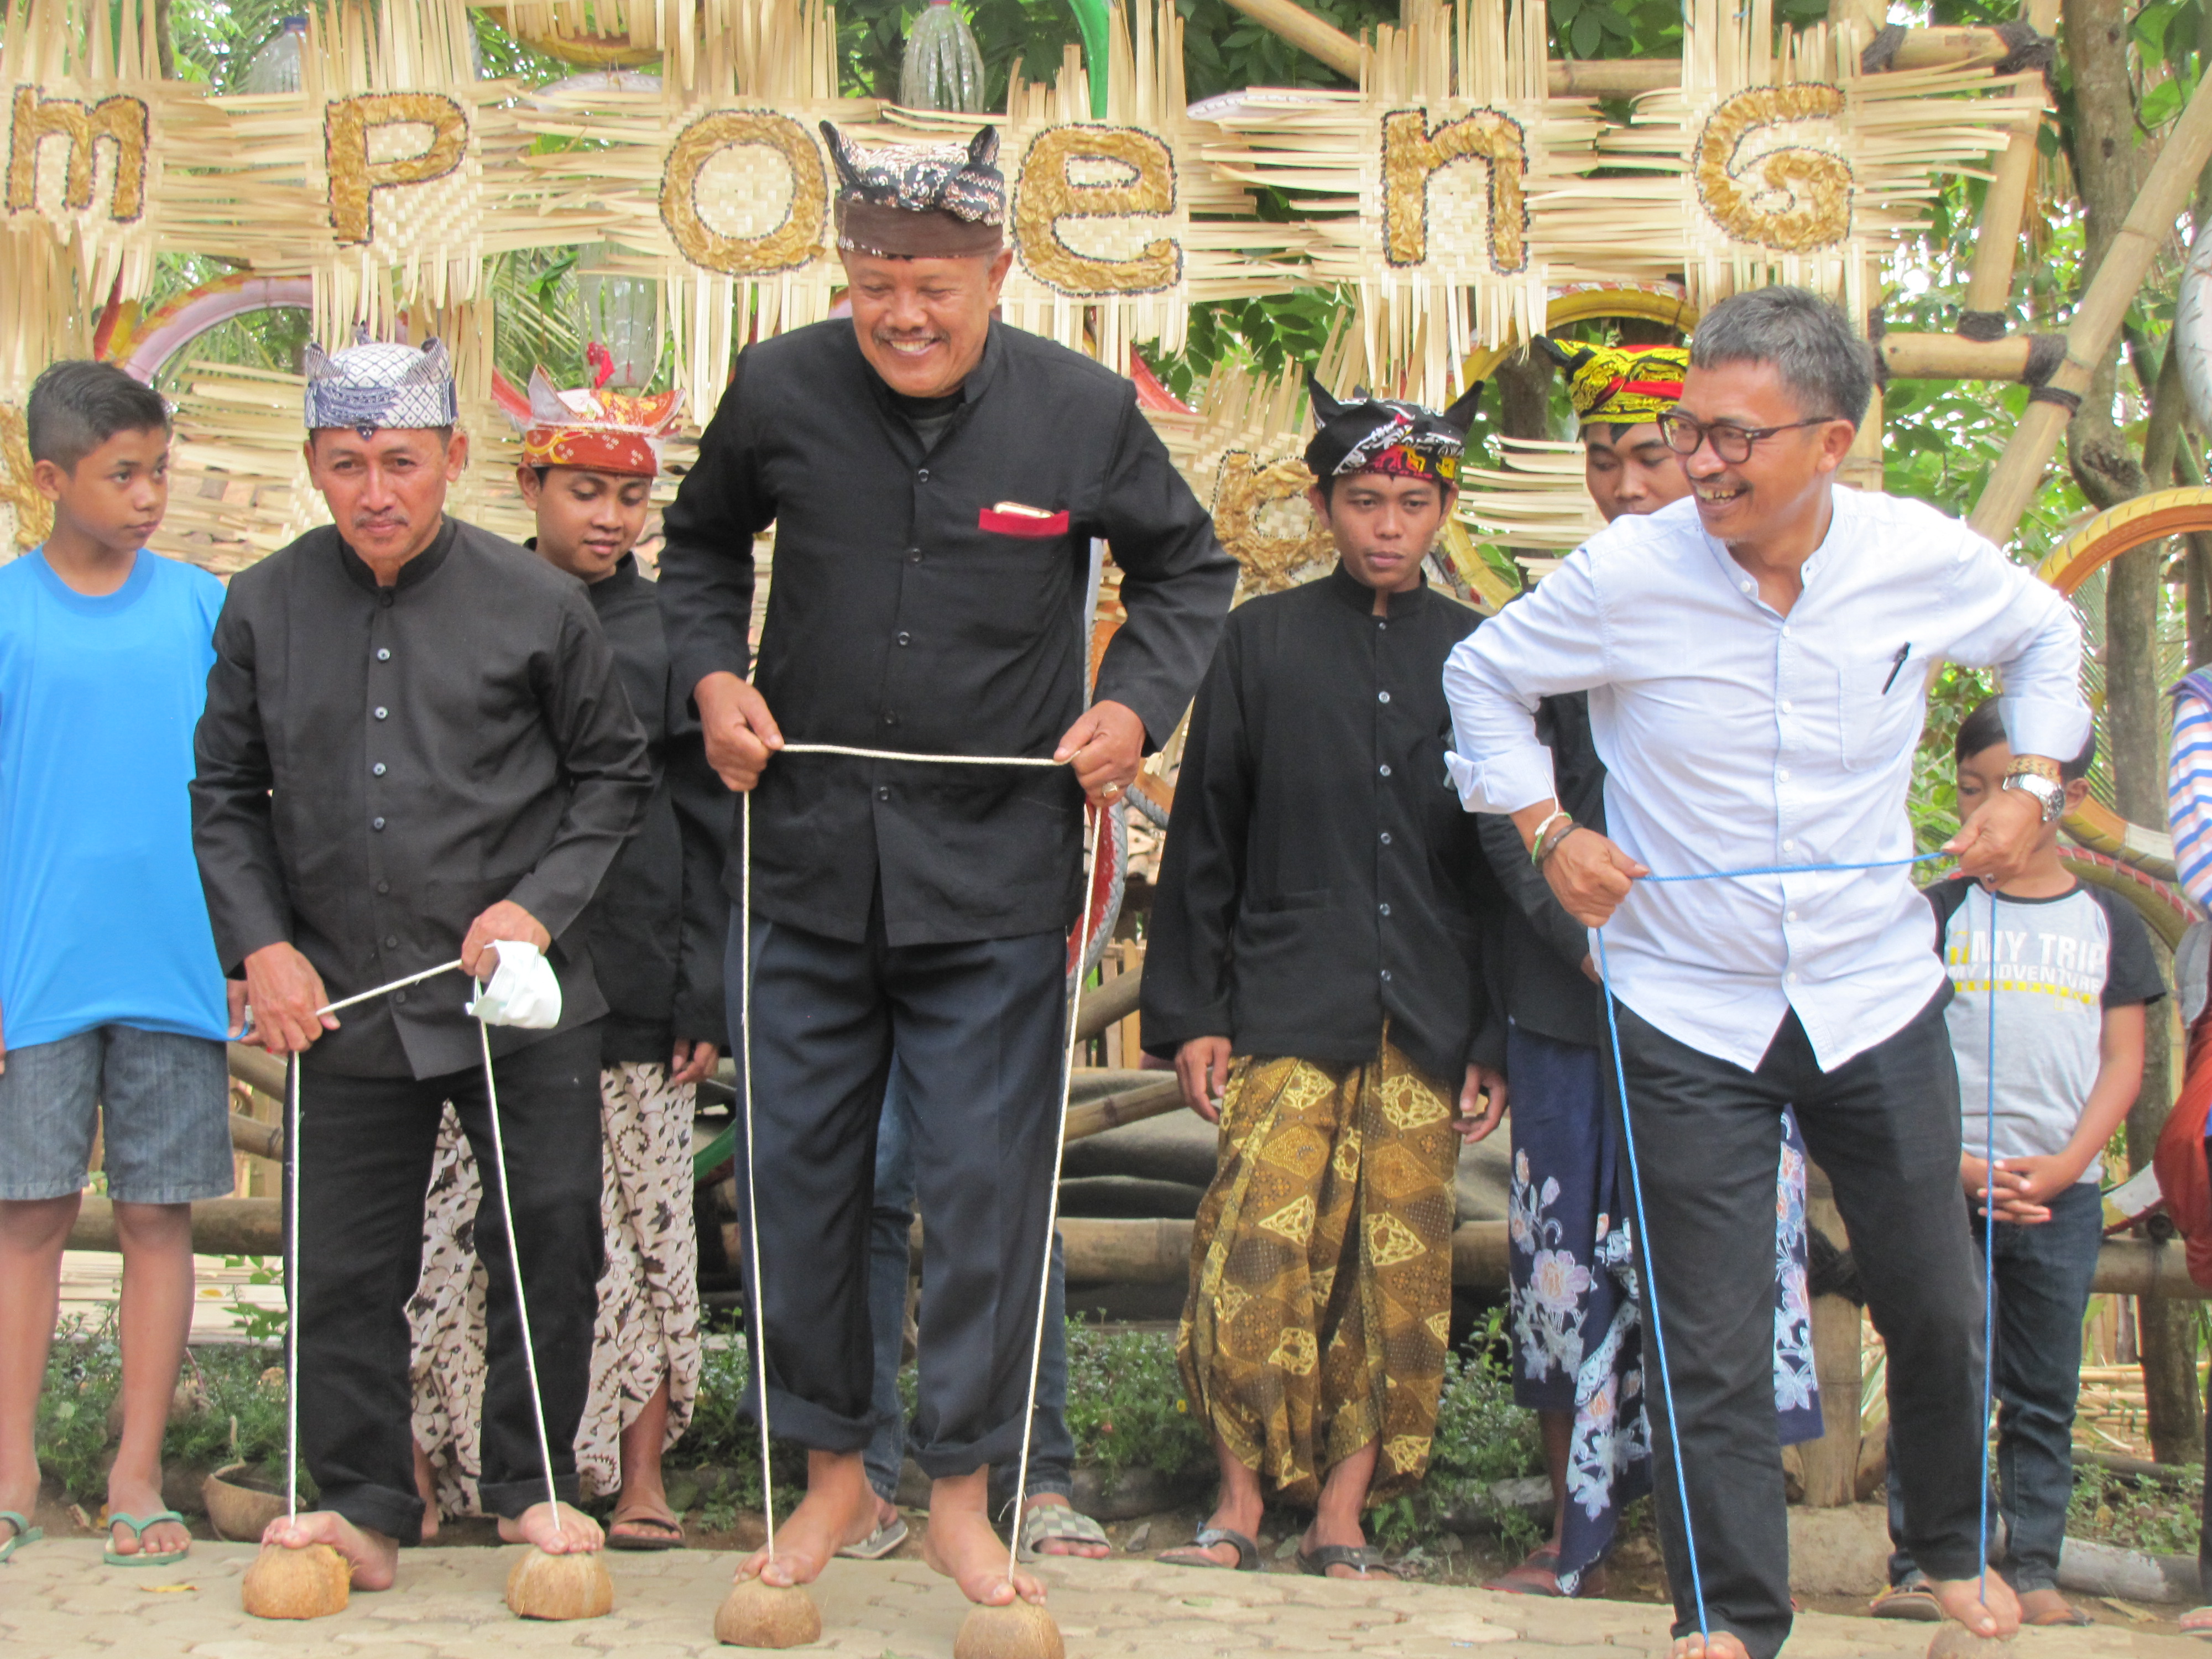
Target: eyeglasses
(1685, 435)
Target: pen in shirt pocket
(1896, 666)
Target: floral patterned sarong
(647, 1327)
(1321, 1270)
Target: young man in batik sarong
(656, 931)
(1315, 972)
(1578, 1359)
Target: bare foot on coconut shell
(373, 1558)
(1962, 1599)
(1724, 1645)
(564, 1531)
(962, 1545)
(826, 1520)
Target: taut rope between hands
(1643, 1235)
(759, 1336)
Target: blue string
(1644, 1233)
(1989, 1246)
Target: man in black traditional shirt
(415, 744)
(936, 480)
(1321, 906)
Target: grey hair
(1808, 340)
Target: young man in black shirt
(1315, 971)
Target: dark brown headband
(898, 234)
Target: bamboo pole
(1952, 357)
(1308, 34)
(2148, 229)
(2004, 204)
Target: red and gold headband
(598, 431)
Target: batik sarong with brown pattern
(1321, 1270)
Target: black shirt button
(376, 824)
(384, 887)
(905, 638)
(882, 793)
(399, 996)
(378, 768)
(922, 477)
(1385, 837)
(391, 944)
(384, 599)
(1385, 909)
(890, 719)
(382, 713)
(1386, 771)
(913, 556)
(1381, 625)
(1382, 696)
(384, 653)
(1386, 976)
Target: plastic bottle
(276, 67)
(944, 67)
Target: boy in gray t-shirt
(2072, 970)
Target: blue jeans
(2043, 1278)
(1051, 1448)
(163, 1097)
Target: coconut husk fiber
(557, 1587)
(312, 1583)
(1020, 1630)
(758, 1615)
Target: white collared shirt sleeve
(2007, 620)
(1545, 643)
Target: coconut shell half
(1020, 1630)
(312, 1583)
(1957, 1642)
(758, 1615)
(541, 1586)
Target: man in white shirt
(1757, 657)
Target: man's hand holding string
(1996, 842)
(1481, 1103)
(740, 734)
(285, 991)
(1589, 876)
(505, 920)
(1105, 746)
(1202, 1067)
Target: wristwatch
(2050, 796)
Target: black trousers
(978, 1029)
(1884, 1126)
(364, 1165)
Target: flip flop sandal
(25, 1533)
(1060, 1524)
(1358, 1557)
(2196, 1622)
(879, 1543)
(2066, 1617)
(1529, 1578)
(138, 1524)
(1916, 1602)
(1248, 1551)
(671, 1533)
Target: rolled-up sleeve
(1544, 642)
(2024, 629)
(1176, 580)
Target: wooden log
(1124, 1106)
(2142, 237)
(2004, 204)
(252, 1136)
(1951, 357)
(221, 1226)
(258, 1069)
(1101, 1006)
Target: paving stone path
(58, 1601)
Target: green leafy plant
(1126, 1404)
(84, 1367)
(259, 1325)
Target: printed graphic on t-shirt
(2050, 967)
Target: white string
(1052, 1196)
(514, 1261)
(759, 1337)
(396, 985)
(292, 1291)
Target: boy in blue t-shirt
(113, 1006)
(2073, 970)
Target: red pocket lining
(1021, 524)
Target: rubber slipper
(1527, 1579)
(671, 1538)
(1360, 1559)
(2068, 1617)
(1248, 1551)
(879, 1543)
(25, 1533)
(1916, 1602)
(137, 1525)
(1060, 1524)
(2196, 1622)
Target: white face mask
(523, 991)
